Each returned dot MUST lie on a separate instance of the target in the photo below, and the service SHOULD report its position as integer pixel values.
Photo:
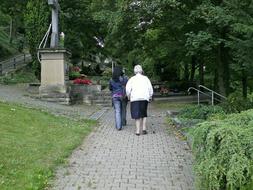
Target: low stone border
(179, 125)
(78, 93)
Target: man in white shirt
(139, 91)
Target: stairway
(102, 98)
(14, 63)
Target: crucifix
(55, 22)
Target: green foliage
(31, 149)
(236, 103)
(224, 152)
(23, 76)
(79, 28)
(6, 49)
(73, 75)
(37, 22)
(199, 111)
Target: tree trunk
(193, 67)
(220, 73)
(223, 70)
(215, 80)
(11, 31)
(244, 83)
(186, 72)
(201, 73)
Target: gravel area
(18, 94)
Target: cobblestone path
(119, 160)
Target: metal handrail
(201, 86)
(199, 91)
(14, 62)
(213, 93)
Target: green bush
(74, 75)
(223, 152)
(22, 76)
(199, 111)
(236, 103)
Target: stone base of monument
(90, 94)
(55, 93)
(83, 93)
(54, 75)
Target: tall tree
(14, 8)
(36, 22)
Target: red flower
(82, 81)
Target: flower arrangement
(164, 90)
(74, 72)
(82, 81)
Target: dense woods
(205, 41)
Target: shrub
(236, 103)
(224, 152)
(73, 75)
(199, 111)
(22, 76)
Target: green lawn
(25, 75)
(170, 105)
(33, 143)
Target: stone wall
(80, 93)
(77, 94)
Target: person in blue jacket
(117, 93)
(123, 80)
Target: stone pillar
(54, 75)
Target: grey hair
(138, 69)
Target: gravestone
(54, 64)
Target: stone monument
(54, 64)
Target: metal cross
(55, 23)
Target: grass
(170, 105)
(33, 143)
(25, 75)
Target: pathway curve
(18, 94)
(119, 160)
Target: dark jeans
(124, 111)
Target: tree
(14, 8)
(36, 22)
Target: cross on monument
(55, 22)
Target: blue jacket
(116, 88)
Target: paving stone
(121, 160)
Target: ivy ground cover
(33, 143)
(223, 150)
